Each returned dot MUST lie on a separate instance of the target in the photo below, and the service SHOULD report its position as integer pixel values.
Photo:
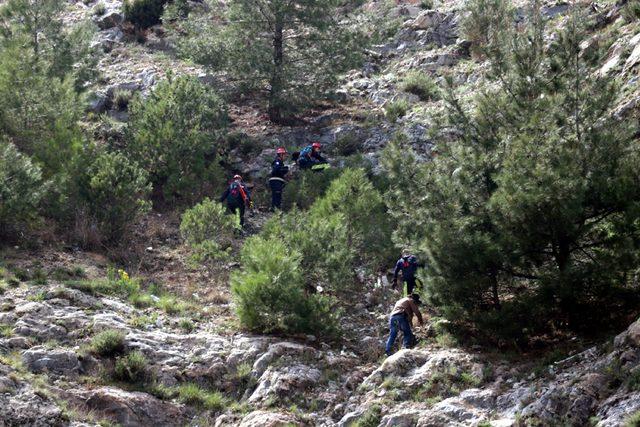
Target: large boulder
(109, 19)
(277, 350)
(285, 382)
(634, 57)
(28, 408)
(61, 362)
(268, 419)
(134, 409)
(615, 410)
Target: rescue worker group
(238, 199)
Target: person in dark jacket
(401, 319)
(277, 180)
(310, 156)
(408, 264)
(238, 197)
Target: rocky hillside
(74, 353)
(83, 345)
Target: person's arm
(416, 311)
(414, 308)
(282, 169)
(224, 195)
(397, 270)
(247, 192)
(319, 158)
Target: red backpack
(237, 192)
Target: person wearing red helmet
(237, 196)
(277, 180)
(310, 156)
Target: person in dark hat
(401, 319)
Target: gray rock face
(20, 405)
(108, 39)
(617, 408)
(111, 18)
(403, 418)
(285, 381)
(61, 362)
(134, 408)
(98, 102)
(268, 419)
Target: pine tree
(530, 212)
(52, 47)
(173, 135)
(43, 67)
(293, 49)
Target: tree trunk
(495, 296)
(563, 254)
(275, 107)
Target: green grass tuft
(192, 394)
(108, 343)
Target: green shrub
(486, 24)
(63, 273)
(318, 249)
(426, 4)
(208, 228)
(631, 10)
(370, 418)
(186, 325)
(269, 292)
(141, 300)
(99, 9)
(308, 187)
(633, 420)
(422, 85)
(39, 277)
(321, 241)
(8, 278)
(347, 145)
(143, 321)
(176, 10)
(116, 192)
(172, 134)
(21, 188)
(143, 13)
(108, 343)
(171, 305)
(345, 228)
(396, 109)
(363, 214)
(121, 283)
(132, 368)
(192, 394)
(117, 283)
(6, 331)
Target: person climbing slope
(277, 180)
(310, 157)
(238, 197)
(401, 318)
(408, 264)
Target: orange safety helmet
(316, 145)
(281, 150)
